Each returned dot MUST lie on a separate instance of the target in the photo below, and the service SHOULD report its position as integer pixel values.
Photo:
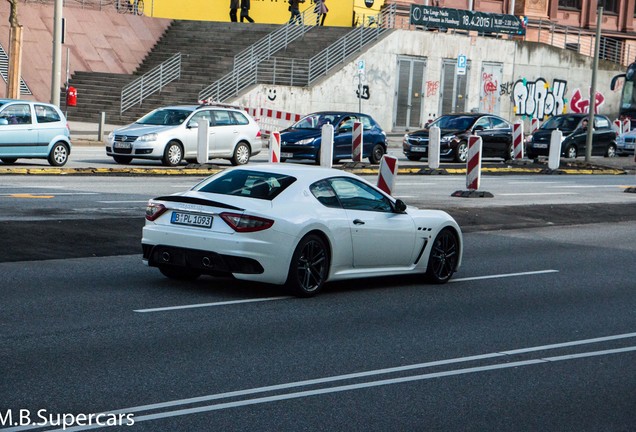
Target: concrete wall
(536, 80)
(98, 41)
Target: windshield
(316, 121)
(564, 122)
(628, 98)
(165, 117)
(252, 184)
(454, 122)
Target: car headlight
(305, 141)
(111, 136)
(148, 137)
(446, 139)
(529, 139)
(620, 140)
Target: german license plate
(191, 219)
(418, 148)
(287, 155)
(122, 145)
(540, 146)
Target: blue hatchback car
(31, 129)
(302, 140)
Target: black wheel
(510, 153)
(413, 158)
(179, 273)
(59, 154)
(242, 154)
(9, 161)
(443, 259)
(173, 154)
(461, 154)
(376, 154)
(124, 160)
(570, 152)
(139, 7)
(309, 267)
(611, 150)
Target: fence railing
(151, 82)
(244, 72)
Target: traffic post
(554, 157)
(358, 135)
(617, 126)
(274, 147)
(387, 173)
(326, 146)
(627, 125)
(473, 171)
(517, 140)
(434, 138)
(203, 141)
(534, 125)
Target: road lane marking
(583, 186)
(369, 384)
(537, 193)
(202, 305)
(503, 275)
(124, 202)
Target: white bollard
(203, 141)
(618, 127)
(387, 173)
(274, 147)
(517, 140)
(434, 135)
(473, 163)
(357, 141)
(554, 157)
(326, 146)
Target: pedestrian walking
(321, 12)
(245, 11)
(294, 8)
(234, 7)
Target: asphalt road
(536, 332)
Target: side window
(238, 118)
(222, 118)
(601, 123)
(499, 123)
(346, 125)
(325, 194)
(366, 122)
(356, 195)
(201, 115)
(17, 114)
(483, 123)
(46, 114)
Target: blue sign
(462, 63)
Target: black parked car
(574, 131)
(496, 134)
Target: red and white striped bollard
(356, 150)
(274, 147)
(517, 140)
(473, 163)
(387, 173)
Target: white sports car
(297, 226)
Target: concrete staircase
(207, 49)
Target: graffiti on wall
(431, 88)
(505, 88)
(580, 104)
(489, 97)
(537, 99)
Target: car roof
(307, 173)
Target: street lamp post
(56, 73)
(590, 121)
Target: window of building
(570, 4)
(609, 6)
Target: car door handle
(358, 222)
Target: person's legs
(322, 21)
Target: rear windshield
(252, 184)
(165, 117)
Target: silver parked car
(170, 134)
(33, 130)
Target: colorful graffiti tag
(580, 105)
(537, 99)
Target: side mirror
(192, 125)
(400, 206)
(478, 129)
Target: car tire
(9, 161)
(414, 158)
(510, 152)
(179, 273)
(123, 160)
(611, 150)
(309, 267)
(570, 152)
(376, 154)
(461, 152)
(58, 155)
(442, 261)
(241, 155)
(172, 154)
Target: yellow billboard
(343, 13)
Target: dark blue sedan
(302, 140)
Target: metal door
(454, 88)
(410, 97)
(489, 99)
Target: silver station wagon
(31, 129)
(170, 134)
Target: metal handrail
(244, 72)
(151, 82)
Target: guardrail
(151, 82)
(244, 72)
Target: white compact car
(170, 134)
(296, 225)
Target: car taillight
(246, 223)
(258, 134)
(154, 210)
